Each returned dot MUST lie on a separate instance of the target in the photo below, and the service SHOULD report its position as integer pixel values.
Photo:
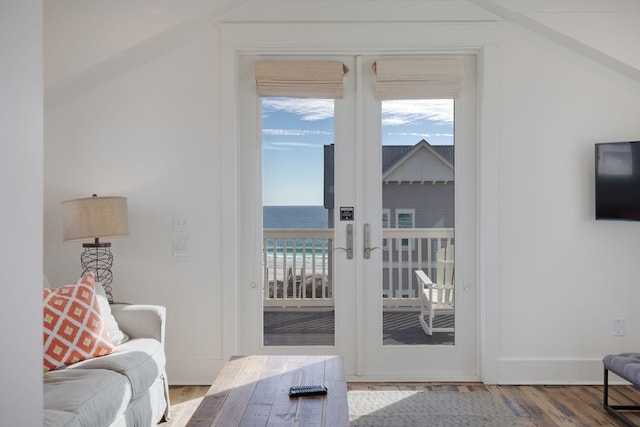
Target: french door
(373, 245)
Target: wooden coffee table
(254, 391)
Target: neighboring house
(417, 185)
(417, 192)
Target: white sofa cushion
(94, 397)
(56, 418)
(140, 360)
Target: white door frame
(250, 162)
(479, 39)
(422, 362)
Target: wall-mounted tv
(618, 180)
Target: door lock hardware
(349, 248)
(349, 241)
(367, 242)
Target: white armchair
(439, 296)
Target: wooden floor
(538, 406)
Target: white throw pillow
(117, 336)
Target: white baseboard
(510, 371)
(193, 371)
(553, 371)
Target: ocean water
(294, 217)
(285, 253)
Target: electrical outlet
(618, 327)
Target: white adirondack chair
(437, 297)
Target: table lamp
(95, 218)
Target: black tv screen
(618, 180)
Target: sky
(295, 130)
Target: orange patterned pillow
(73, 326)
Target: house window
(385, 224)
(405, 218)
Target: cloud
(394, 113)
(295, 132)
(407, 112)
(288, 145)
(307, 109)
(425, 135)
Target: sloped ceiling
(605, 31)
(79, 34)
(83, 36)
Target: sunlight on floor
(184, 401)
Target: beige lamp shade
(94, 217)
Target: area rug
(411, 408)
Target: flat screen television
(618, 180)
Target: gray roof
(391, 155)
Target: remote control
(307, 390)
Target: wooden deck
(309, 326)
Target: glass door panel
(417, 184)
(298, 304)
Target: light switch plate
(181, 222)
(182, 247)
(618, 327)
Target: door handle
(367, 241)
(349, 241)
(349, 248)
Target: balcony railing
(298, 265)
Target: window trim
(404, 211)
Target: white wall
(563, 276)
(21, 211)
(149, 134)
(147, 129)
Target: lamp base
(97, 258)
